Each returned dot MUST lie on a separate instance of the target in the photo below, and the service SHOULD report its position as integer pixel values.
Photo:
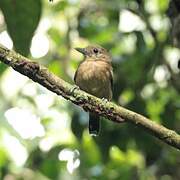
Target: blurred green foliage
(21, 19)
(57, 145)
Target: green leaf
(117, 155)
(91, 151)
(22, 18)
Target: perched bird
(94, 75)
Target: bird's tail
(94, 124)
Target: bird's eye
(95, 50)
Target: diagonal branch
(88, 102)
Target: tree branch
(88, 102)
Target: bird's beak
(81, 50)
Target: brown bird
(94, 75)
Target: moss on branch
(113, 112)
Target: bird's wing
(111, 78)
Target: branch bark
(113, 112)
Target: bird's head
(95, 52)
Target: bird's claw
(105, 100)
(75, 87)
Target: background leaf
(22, 18)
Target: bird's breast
(94, 71)
(94, 77)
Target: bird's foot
(75, 87)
